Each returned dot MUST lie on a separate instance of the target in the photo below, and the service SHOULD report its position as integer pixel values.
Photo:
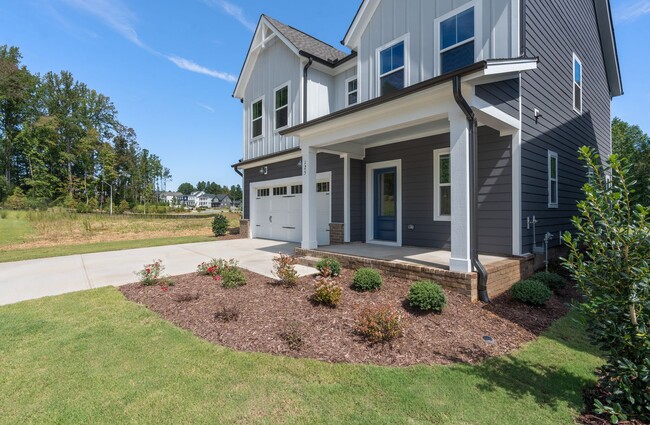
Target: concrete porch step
(308, 261)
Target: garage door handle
(292, 228)
(270, 219)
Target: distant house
(221, 201)
(171, 198)
(204, 200)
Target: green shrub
(531, 292)
(330, 264)
(17, 201)
(284, 268)
(427, 296)
(215, 267)
(123, 206)
(553, 281)
(3, 214)
(327, 292)
(153, 274)
(220, 225)
(380, 323)
(366, 280)
(233, 277)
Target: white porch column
(309, 234)
(346, 198)
(460, 202)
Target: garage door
(276, 211)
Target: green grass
(93, 357)
(14, 228)
(58, 251)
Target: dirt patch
(268, 316)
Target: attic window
(457, 38)
(392, 68)
(282, 107)
(351, 90)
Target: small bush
(233, 277)
(3, 214)
(227, 314)
(366, 280)
(123, 206)
(531, 292)
(215, 267)
(153, 274)
(330, 265)
(284, 268)
(553, 281)
(427, 296)
(220, 225)
(292, 336)
(327, 292)
(380, 323)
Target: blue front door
(385, 205)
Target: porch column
(460, 202)
(309, 234)
(346, 198)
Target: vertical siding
(320, 98)
(504, 95)
(554, 30)
(340, 89)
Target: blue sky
(170, 66)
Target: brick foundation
(245, 228)
(337, 234)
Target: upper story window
(577, 84)
(257, 118)
(553, 190)
(392, 68)
(457, 39)
(282, 107)
(351, 91)
(442, 185)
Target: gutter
(305, 71)
(473, 189)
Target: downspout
(304, 89)
(473, 190)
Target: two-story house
(449, 125)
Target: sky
(170, 66)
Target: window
(457, 39)
(392, 70)
(323, 187)
(296, 190)
(552, 180)
(442, 185)
(351, 91)
(257, 118)
(263, 192)
(577, 84)
(282, 107)
(279, 191)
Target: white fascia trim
(407, 68)
(370, 181)
(478, 32)
(269, 161)
(333, 72)
(286, 84)
(508, 120)
(437, 153)
(360, 23)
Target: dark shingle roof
(307, 43)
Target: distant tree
(18, 200)
(631, 143)
(201, 186)
(186, 188)
(236, 193)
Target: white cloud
(188, 65)
(232, 10)
(633, 11)
(206, 107)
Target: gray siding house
(449, 124)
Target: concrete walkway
(31, 279)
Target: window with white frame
(577, 84)
(392, 68)
(282, 107)
(442, 185)
(553, 190)
(457, 41)
(257, 118)
(351, 90)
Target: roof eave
(608, 46)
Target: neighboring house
(192, 198)
(221, 201)
(171, 198)
(379, 141)
(204, 200)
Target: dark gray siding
(504, 95)
(554, 30)
(290, 168)
(357, 201)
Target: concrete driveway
(31, 279)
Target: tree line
(213, 188)
(62, 143)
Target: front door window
(385, 223)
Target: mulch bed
(265, 317)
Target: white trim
(573, 83)
(348, 93)
(516, 185)
(403, 39)
(478, 33)
(555, 204)
(437, 153)
(346, 198)
(261, 136)
(268, 161)
(361, 21)
(289, 106)
(370, 181)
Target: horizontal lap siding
(555, 29)
(504, 95)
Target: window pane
(577, 97)
(257, 109)
(352, 85)
(457, 58)
(257, 127)
(281, 117)
(393, 82)
(387, 199)
(352, 99)
(386, 63)
(398, 55)
(553, 192)
(553, 167)
(281, 97)
(448, 33)
(578, 72)
(445, 200)
(445, 172)
(465, 25)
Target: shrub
(553, 281)
(3, 214)
(327, 292)
(17, 201)
(328, 264)
(292, 336)
(153, 274)
(123, 206)
(427, 296)
(284, 268)
(380, 323)
(233, 277)
(227, 314)
(220, 225)
(215, 267)
(531, 292)
(366, 280)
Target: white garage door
(276, 210)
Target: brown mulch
(262, 313)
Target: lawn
(95, 357)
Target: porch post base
(309, 244)
(460, 265)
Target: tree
(186, 188)
(18, 200)
(201, 186)
(236, 193)
(610, 260)
(631, 143)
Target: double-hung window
(282, 107)
(442, 185)
(577, 84)
(457, 40)
(392, 69)
(553, 190)
(257, 118)
(351, 91)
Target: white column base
(460, 265)
(309, 244)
